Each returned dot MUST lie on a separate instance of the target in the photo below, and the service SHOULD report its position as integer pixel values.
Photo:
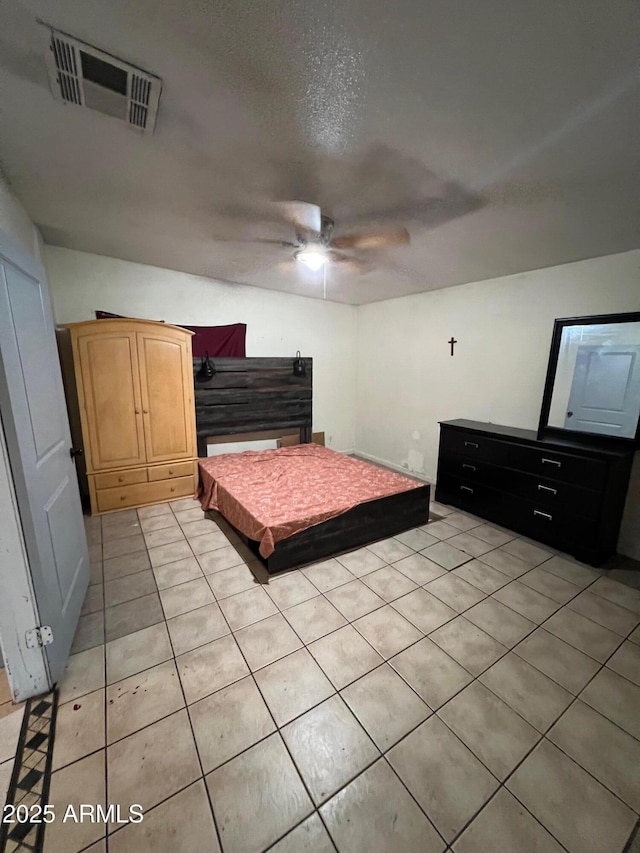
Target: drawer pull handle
(466, 489)
(170, 471)
(542, 488)
(471, 444)
(555, 462)
(470, 467)
(123, 497)
(543, 514)
(120, 479)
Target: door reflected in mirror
(596, 388)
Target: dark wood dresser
(560, 492)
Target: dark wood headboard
(251, 395)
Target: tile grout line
(338, 693)
(104, 666)
(277, 731)
(543, 737)
(385, 660)
(486, 595)
(186, 708)
(321, 593)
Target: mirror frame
(546, 431)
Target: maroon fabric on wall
(218, 341)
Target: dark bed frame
(262, 395)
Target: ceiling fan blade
(348, 264)
(286, 244)
(303, 216)
(373, 239)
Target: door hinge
(42, 636)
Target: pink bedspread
(271, 494)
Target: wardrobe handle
(551, 462)
(471, 444)
(542, 488)
(470, 467)
(137, 411)
(145, 411)
(466, 489)
(543, 514)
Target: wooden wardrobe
(132, 385)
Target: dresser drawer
(567, 494)
(474, 446)
(476, 497)
(546, 492)
(121, 478)
(541, 461)
(564, 467)
(554, 526)
(534, 519)
(143, 493)
(167, 472)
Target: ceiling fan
(316, 245)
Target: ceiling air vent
(83, 75)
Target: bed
(295, 505)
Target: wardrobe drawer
(143, 493)
(166, 472)
(121, 478)
(474, 446)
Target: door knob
(75, 451)
(569, 414)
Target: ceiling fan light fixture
(312, 258)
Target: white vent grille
(67, 67)
(139, 103)
(83, 75)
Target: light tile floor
(454, 688)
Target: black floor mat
(29, 787)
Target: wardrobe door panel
(166, 378)
(110, 389)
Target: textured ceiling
(522, 117)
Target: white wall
(16, 222)
(407, 380)
(278, 324)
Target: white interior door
(36, 430)
(605, 392)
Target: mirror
(593, 378)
